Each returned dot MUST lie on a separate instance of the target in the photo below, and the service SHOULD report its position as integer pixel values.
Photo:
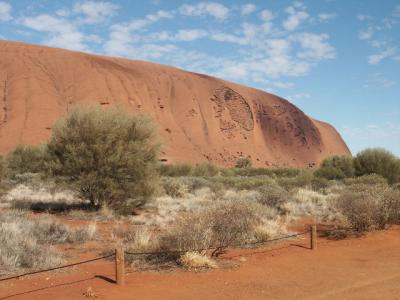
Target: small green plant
(378, 161)
(108, 156)
(26, 159)
(243, 163)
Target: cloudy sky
(338, 60)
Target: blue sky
(338, 60)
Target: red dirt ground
(361, 268)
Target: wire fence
(157, 253)
(60, 267)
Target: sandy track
(363, 268)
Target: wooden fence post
(313, 236)
(120, 266)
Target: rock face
(200, 118)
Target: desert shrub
(244, 182)
(27, 242)
(364, 206)
(2, 168)
(378, 161)
(109, 157)
(175, 170)
(243, 163)
(252, 172)
(319, 183)
(336, 167)
(205, 170)
(392, 204)
(174, 187)
(305, 202)
(273, 195)
(219, 225)
(371, 179)
(287, 172)
(329, 173)
(26, 159)
(302, 180)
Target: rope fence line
(120, 260)
(57, 268)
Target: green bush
(205, 170)
(176, 170)
(287, 172)
(108, 156)
(336, 167)
(378, 161)
(251, 172)
(26, 159)
(2, 168)
(243, 163)
(371, 179)
(273, 195)
(244, 183)
(302, 180)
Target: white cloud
(213, 9)
(366, 34)
(298, 96)
(362, 17)
(297, 15)
(266, 15)
(377, 58)
(62, 33)
(248, 9)
(190, 34)
(5, 11)
(124, 35)
(325, 17)
(95, 11)
(377, 80)
(396, 12)
(315, 46)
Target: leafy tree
(378, 161)
(109, 156)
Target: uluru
(200, 118)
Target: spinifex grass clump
(108, 156)
(27, 243)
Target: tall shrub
(378, 161)
(336, 167)
(109, 156)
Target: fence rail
(120, 260)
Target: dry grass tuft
(195, 261)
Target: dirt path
(362, 268)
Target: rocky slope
(200, 118)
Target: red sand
(362, 268)
(200, 118)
